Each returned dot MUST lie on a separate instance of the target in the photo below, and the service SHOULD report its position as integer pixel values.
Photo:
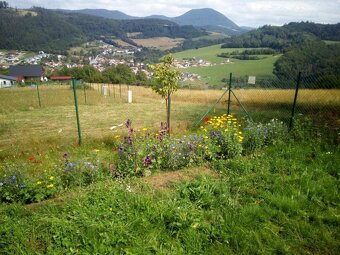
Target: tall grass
(283, 200)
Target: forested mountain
(118, 15)
(284, 37)
(57, 31)
(206, 18)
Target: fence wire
(272, 97)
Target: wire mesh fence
(267, 98)
(47, 112)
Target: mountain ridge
(206, 18)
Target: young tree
(166, 82)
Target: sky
(253, 13)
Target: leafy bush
(258, 135)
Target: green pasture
(211, 36)
(221, 69)
(214, 74)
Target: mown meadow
(221, 69)
(226, 186)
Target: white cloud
(242, 12)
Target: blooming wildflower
(30, 158)
(110, 209)
(51, 178)
(73, 164)
(147, 161)
(13, 178)
(128, 123)
(117, 136)
(145, 129)
(66, 155)
(39, 182)
(50, 185)
(120, 149)
(206, 119)
(129, 140)
(195, 225)
(96, 150)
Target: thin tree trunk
(168, 112)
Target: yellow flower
(51, 178)
(206, 137)
(39, 182)
(110, 209)
(144, 129)
(117, 136)
(96, 150)
(195, 225)
(50, 185)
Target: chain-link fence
(262, 99)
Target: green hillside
(215, 73)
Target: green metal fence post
(229, 89)
(38, 95)
(77, 112)
(295, 100)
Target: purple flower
(73, 164)
(66, 155)
(129, 140)
(131, 130)
(190, 147)
(120, 149)
(128, 123)
(147, 161)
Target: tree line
(120, 74)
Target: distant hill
(206, 18)
(50, 30)
(106, 14)
(284, 37)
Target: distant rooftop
(26, 71)
(6, 77)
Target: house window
(4, 82)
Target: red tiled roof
(61, 78)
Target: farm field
(161, 43)
(278, 197)
(214, 74)
(211, 36)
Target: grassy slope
(26, 129)
(283, 200)
(214, 74)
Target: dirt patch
(164, 180)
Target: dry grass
(24, 125)
(25, 12)
(162, 43)
(121, 42)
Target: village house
(27, 72)
(7, 81)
